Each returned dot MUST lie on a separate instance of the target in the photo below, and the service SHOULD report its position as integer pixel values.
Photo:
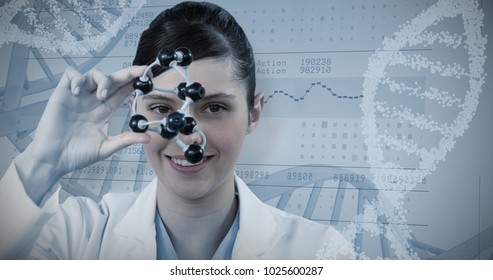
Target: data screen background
(329, 146)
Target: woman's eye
(160, 109)
(214, 108)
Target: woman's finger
(122, 84)
(117, 142)
(127, 75)
(72, 80)
(100, 82)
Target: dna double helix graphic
(386, 209)
(69, 28)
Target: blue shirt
(166, 251)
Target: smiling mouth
(185, 163)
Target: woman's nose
(193, 138)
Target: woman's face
(223, 117)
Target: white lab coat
(122, 226)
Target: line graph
(328, 97)
(327, 89)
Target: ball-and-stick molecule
(179, 121)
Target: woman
(190, 211)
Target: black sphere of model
(182, 56)
(134, 123)
(194, 153)
(166, 134)
(186, 57)
(165, 57)
(144, 86)
(175, 121)
(190, 124)
(194, 91)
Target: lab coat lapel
(258, 232)
(134, 235)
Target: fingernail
(104, 93)
(76, 91)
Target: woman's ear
(256, 112)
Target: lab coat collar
(259, 232)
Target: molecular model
(178, 121)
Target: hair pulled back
(208, 31)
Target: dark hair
(208, 31)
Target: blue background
(311, 154)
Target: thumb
(117, 142)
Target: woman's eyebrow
(219, 95)
(170, 98)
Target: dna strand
(21, 23)
(385, 215)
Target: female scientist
(189, 211)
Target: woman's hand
(73, 130)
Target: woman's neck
(197, 227)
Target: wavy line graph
(327, 89)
